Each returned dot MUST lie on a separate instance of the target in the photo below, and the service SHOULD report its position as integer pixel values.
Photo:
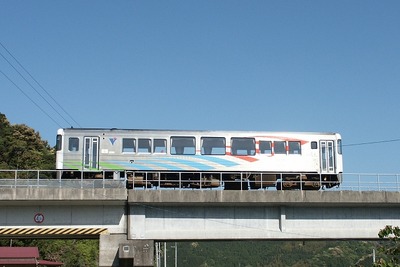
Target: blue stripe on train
(218, 160)
(143, 165)
(167, 163)
(191, 163)
(160, 164)
(132, 166)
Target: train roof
(191, 131)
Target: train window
(243, 146)
(339, 146)
(294, 147)
(183, 145)
(213, 146)
(73, 144)
(128, 145)
(314, 145)
(265, 147)
(160, 146)
(280, 147)
(144, 145)
(59, 142)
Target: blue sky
(210, 65)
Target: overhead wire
(373, 142)
(30, 84)
(35, 89)
(69, 115)
(25, 94)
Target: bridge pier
(116, 250)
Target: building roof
(23, 256)
(19, 252)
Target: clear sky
(210, 65)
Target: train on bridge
(202, 159)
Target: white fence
(51, 179)
(370, 182)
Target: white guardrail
(51, 179)
(370, 182)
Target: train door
(327, 156)
(91, 152)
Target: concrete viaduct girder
(227, 215)
(129, 221)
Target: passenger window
(294, 147)
(128, 145)
(73, 144)
(280, 147)
(160, 146)
(314, 145)
(59, 142)
(183, 146)
(243, 146)
(213, 146)
(339, 146)
(265, 147)
(144, 145)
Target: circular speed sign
(38, 218)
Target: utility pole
(176, 254)
(158, 254)
(373, 256)
(165, 254)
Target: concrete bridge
(129, 221)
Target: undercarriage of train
(223, 180)
(231, 181)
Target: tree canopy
(21, 147)
(390, 248)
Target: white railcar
(232, 159)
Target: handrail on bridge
(210, 181)
(52, 179)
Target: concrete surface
(263, 198)
(137, 217)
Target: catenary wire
(55, 101)
(373, 142)
(35, 89)
(47, 93)
(22, 91)
(20, 74)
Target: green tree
(5, 133)
(71, 252)
(21, 147)
(390, 248)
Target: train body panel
(200, 151)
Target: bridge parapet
(33, 195)
(263, 198)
